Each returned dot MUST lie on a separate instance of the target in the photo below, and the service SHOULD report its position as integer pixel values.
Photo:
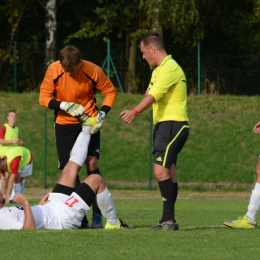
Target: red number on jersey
(71, 201)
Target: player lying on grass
(64, 207)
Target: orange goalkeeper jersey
(79, 88)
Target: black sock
(167, 191)
(59, 188)
(176, 189)
(95, 207)
(175, 194)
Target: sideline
(37, 193)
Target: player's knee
(94, 178)
(95, 181)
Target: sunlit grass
(221, 146)
(201, 235)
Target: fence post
(45, 148)
(107, 62)
(150, 151)
(199, 77)
(15, 67)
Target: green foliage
(228, 31)
(181, 18)
(201, 235)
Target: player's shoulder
(90, 66)
(55, 67)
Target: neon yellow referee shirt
(168, 87)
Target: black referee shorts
(66, 136)
(168, 139)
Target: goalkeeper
(69, 88)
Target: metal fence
(219, 74)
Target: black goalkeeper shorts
(66, 136)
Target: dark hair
(153, 38)
(69, 57)
(11, 111)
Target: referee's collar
(168, 57)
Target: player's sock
(254, 203)
(12, 195)
(175, 192)
(59, 188)
(95, 207)
(106, 205)
(166, 188)
(80, 149)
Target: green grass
(201, 235)
(221, 147)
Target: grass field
(219, 157)
(201, 234)
(221, 148)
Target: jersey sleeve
(106, 87)
(14, 165)
(47, 88)
(2, 132)
(8, 223)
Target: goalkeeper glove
(72, 108)
(87, 120)
(100, 121)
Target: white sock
(80, 149)
(12, 194)
(106, 205)
(254, 203)
(22, 187)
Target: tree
(50, 7)
(14, 25)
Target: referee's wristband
(136, 113)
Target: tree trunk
(50, 32)
(131, 86)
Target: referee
(167, 93)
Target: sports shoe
(120, 224)
(241, 223)
(96, 221)
(167, 225)
(123, 224)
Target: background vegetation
(221, 151)
(228, 33)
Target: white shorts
(71, 209)
(26, 170)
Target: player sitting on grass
(64, 207)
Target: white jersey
(62, 212)
(11, 218)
